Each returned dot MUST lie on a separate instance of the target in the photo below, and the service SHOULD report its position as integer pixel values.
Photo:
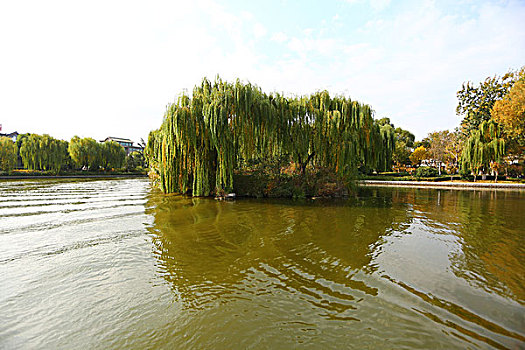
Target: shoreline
(367, 183)
(444, 184)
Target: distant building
(13, 136)
(126, 143)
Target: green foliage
(203, 139)
(426, 171)
(484, 149)
(475, 103)
(403, 141)
(405, 136)
(85, 152)
(8, 154)
(401, 153)
(43, 152)
(384, 121)
(135, 160)
(112, 155)
(387, 148)
(516, 170)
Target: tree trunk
(303, 165)
(303, 168)
(300, 164)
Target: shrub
(516, 170)
(426, 171)
(318, 184)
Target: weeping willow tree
(112, 155)
(86, 152)
(204, 138)
(43, 152)
(484, 149)
(8, 154)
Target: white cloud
(279, 37)
(259, 30)
(377, 5)
(307, 45)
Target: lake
(112, 264)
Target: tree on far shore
(453, 147)
(419, 154)
(404, 141)
(475, 102)
(43, 152)
(8, 154)
(85, 153)
(484, 149)
(510, 113)
(135, 160)
(113, 155)
(445, 147)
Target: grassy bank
(22, 173)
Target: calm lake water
(113, 264)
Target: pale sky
(109, 68)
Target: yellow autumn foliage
(510, 111)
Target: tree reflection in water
(210, 250)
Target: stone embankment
(446, 184)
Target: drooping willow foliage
(8, 154)
(43, 152)
(88, 153)
(205, 137)
(485, 148)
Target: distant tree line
(43, 152)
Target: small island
(225, 133)
(234, 138)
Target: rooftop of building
(14, 133)
(117, 139)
